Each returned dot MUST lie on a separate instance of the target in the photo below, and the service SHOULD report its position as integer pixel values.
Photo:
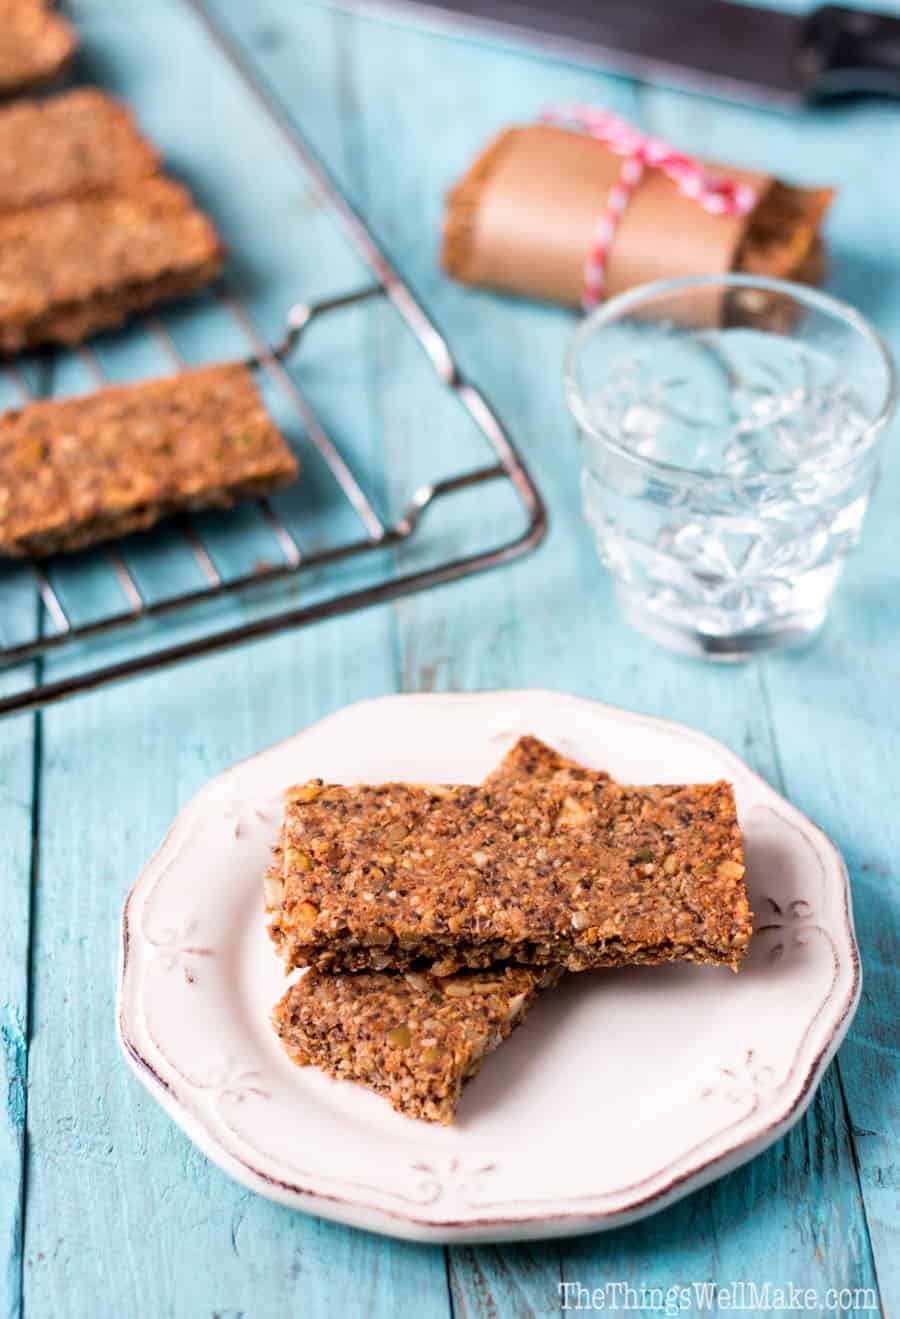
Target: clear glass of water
(729, 430)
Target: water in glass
(726, 476)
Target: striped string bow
(639, 152)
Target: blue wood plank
(17, 749)
(844, 770)
(833, 707)
(153, 1228)
(152, 1222)
(19, 746)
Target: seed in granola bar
(306, 791)
(420, 983)
(730, 870)
(298, 860)
(273, 887)
(644, 854)
(379, 938)
(305, 914)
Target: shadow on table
(869, 285)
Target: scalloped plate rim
(542, 1223)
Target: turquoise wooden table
(105, 1208)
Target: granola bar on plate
(414, 1038)
(576, 871)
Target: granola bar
(81, 470)
(72, 145)
(370, 1026)
(578, 871)
(79, 265)
(36, 45)
(530, 758)
(414, 1038)
(495, 238)
(783, 240)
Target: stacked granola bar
(72, 267)
(72, 145)
(91, 230)
(433, 916)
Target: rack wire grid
(55, 631)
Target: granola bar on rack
(71, 145)
(71, 267)
(36, 45)
(81, 470)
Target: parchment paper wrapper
(523, 217)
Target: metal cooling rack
(69, 637)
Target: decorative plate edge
(543, 1222)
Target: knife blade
(714, 46)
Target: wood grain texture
(19, 812)
(119, 1205)
(18, 748)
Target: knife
(713, 46)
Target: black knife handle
(850, 50)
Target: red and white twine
(719, 196)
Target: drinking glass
(729, 430)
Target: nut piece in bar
(71, 267)
(81, 470)
(414, 1038)
(578, 871)
(72, 145)
(36, 45)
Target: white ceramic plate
(623, 1091)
